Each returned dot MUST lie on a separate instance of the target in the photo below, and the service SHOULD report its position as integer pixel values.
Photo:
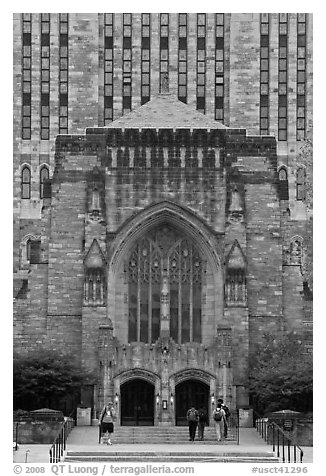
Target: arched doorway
(137, 403)
(188, 393)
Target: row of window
(283, 65)
(26, 181)
(201, 59)
(300, 184)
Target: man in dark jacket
(192, 418)
(202, 422)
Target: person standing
(219, 417)
(192, 418)
(202, 422)
(106, 422)
(227, 416)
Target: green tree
(46, 378)
(281, 375)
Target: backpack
(202, 415)
(227, 411)
(192, 415)
(218, 415)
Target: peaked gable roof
(94, 257)
(235, 259)
(166, 111)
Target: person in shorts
(106, 421)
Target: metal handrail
(234, 420)
(281, 442)
(59, 444)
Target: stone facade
(162, 248)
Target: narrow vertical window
(301, 184)
(219, 67)
(201, 62)
(45, 76)
(264, 74)
(108, 68)
(44, 175)
(27, 75)
(283, 77)
(301, 75)
(145, 57)
(127, 63)
(63, 73)
(235, 287)
(26, 183)
(283, 184)
(164, 51)
(182, 60)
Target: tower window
(44, 175)
(283, 184)
(26, 183)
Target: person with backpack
(202, 422)
(227, 416)
(192, 419)
(219, 419)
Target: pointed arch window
(26, 183)
(44, 175)
(283, 184)
(164, 253)
(301, 184)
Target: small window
(95, 200)
(283, 184)
(26, 183)
(301, 184)
(44, 175)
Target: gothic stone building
(158, 247)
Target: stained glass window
(164, 252)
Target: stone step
(100, 456)
(157, 434)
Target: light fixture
(158, 399)
(116, 399)
(171, 399)
(213, 399)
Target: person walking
(106, 422)
(219, 417)
(192, 418)
(202, 422)
(227, 416)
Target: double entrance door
(138, 401)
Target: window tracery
(164, 253)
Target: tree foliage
(44, 378)
(281, 375)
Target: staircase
(157, 434)
(169, 457)
(164, 444)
